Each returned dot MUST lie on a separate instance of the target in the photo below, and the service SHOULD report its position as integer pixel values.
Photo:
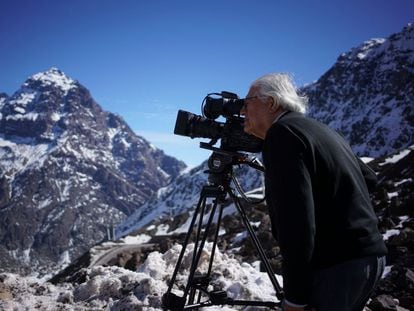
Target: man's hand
(287, 306)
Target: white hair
(281, 88)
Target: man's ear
(273, 105)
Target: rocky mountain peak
(54, 78)
(401, 42)
(69, 171)
(368, 94)
(36, 110)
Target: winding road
(114, 250)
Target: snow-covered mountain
(69, 171)
(368, 94)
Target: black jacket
(318, 201)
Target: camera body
(231, 132)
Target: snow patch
(138, 239)
(115, 288)
(31, 116)
(397, 157)
(56, 78)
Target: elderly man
(319, 205)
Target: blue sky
(144, 60)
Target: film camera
(233, 138)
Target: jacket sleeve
(291, 208)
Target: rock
(385, 303)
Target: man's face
(255, 110)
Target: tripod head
(220, 166)
(222, 160)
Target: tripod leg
(256, 242)
(199, 251)
(201, 203)
(197, 239)
(213, 250)
(171, 301)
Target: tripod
(220, 171)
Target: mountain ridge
(69, 172)
(368, 95)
